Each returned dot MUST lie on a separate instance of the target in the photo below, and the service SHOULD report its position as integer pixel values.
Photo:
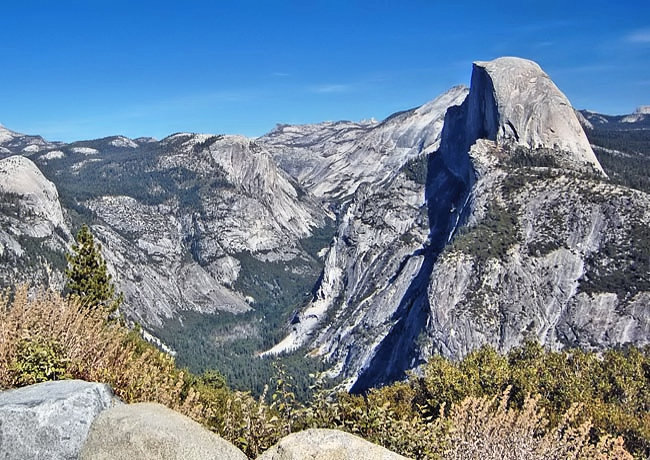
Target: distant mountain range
(490, 215)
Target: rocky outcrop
(482, 252)
(12, 143)
(332, 160)
(50, 420)
(33, 232)
(38, 197)
(73, 419)
(641, 113)
(324, 444)
(256, 189)
(513, 100)
(148, 431)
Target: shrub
(49, 337)
(487, 429)
(38, 360)
(476, 408)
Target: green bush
(433, 415)
(612, 388)
(38, 359)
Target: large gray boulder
(153, 432)
(50, 420)
(322, 444)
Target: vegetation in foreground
(480, 407)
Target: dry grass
(92, 348)
(89, 347)
(46, 336)
(486, 429)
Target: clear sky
(73, 70)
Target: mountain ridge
(375, 244)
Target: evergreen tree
(87, 277)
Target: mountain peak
(6, 134)
(512, 100)
(510, 66)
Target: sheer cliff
(481, 217)
(516, 233)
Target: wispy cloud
(331, 88)
(280, 74)
(641, 36)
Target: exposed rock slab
(21, 177)
(333, 159)
(50, 420)
(322, 444)
(148, 431)
(516, 173)
(514, 100)
(33, 232)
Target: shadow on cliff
(446, 193)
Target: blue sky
(87, 69)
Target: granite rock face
(148, 431)
(513, 100)
(481, 217)
(32, 225)
(500, 243)
(20, 176)
(50, 420)
(322, 444)
(377, 173)
(545, 254)
(333, 159)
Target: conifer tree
(87, 277)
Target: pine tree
(87, 277)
